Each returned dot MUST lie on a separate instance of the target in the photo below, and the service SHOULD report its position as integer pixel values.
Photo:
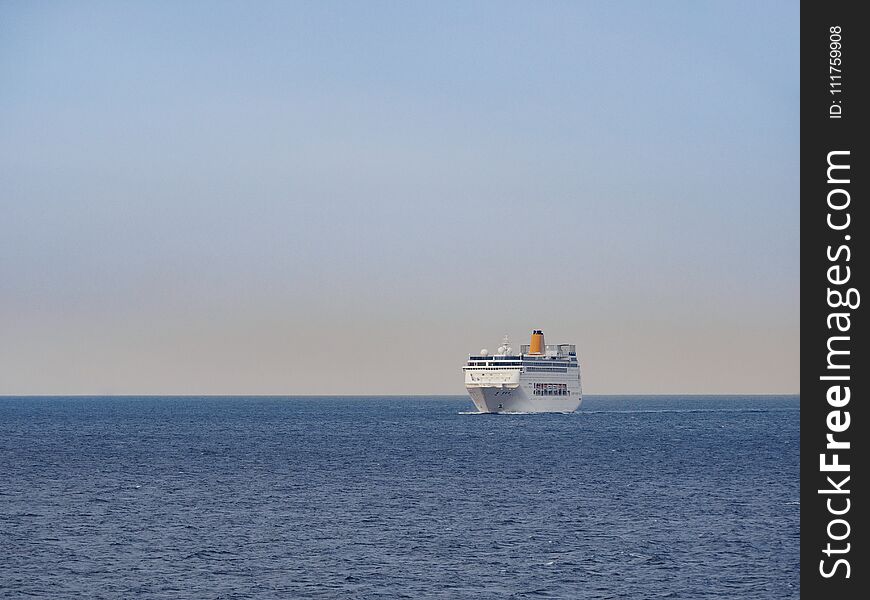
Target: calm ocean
(631, 497)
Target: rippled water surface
(632, 497)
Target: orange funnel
(537, 345)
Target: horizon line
(2, 396)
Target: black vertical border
(821, 134)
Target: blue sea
(398, 497)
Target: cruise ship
(541, 378)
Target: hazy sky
(349, 197)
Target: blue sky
(229, 198)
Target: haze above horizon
(349, 198)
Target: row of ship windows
(543, 370)
(529, 357)
(551, 389)
(528, 369)
(527, 364)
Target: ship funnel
(537, 345)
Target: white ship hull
(516, 400)
(540, 378)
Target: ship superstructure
(541, 378)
